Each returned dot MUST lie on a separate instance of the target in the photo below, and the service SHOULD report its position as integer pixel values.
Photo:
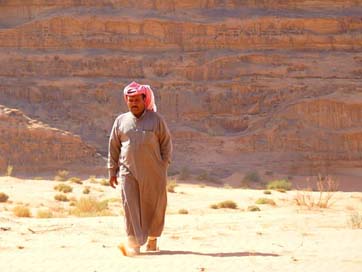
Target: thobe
(139, 153)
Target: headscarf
(135, 89)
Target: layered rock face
(244, 85)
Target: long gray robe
(139, 152)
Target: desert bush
(9, 170)
(171, 185)
(63, 188)
(86, 190)
(265, 201)
(281, 184)
(227, 186)
(21, 211)
(92, 179)
(267, 192)
(205, 176)
(326, 186)
(227, 204)
(62, 175)
(89, 206)
(184, 173)
(3, 197)
(172, 172)
(183, 211)
(250, 178)
(355, 220)
(61, 197)
(269, 173)
(76, 180)
(104, 182)
(44, 213)
(253, 208)
(202, 185)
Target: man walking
(139, 153)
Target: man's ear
(144, 97)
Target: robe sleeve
(114, 149)
(165, 142)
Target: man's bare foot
(152, 245)
(128, 251)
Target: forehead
(134, 97)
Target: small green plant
(184, 173)
(62, 175)
(9, 170)
(86, 190)
(44, 213)
(61, 197)
(183, 211)
(63, 188)
(171, 185)
(281, 184)
(355, 220)
(265, 201)
(227, 204)
(89, 206)
(21, 211)
(104, 182)
(76, 180)
(267, 192)
(3, 197)
(253, 208)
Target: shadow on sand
(229, 254)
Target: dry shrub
(249, 179)
(76, 180)
(61, 197)
(89, 206)
(86, 190)
(44, 213)
(355, 220)
(227, 204)
(21, 211)
(184, 173)
(253, 208)
(63, 188)
(171, 185)
(183, 211)
(265, 201)
(9, 170)
(267, 192)
(62, 175)
(104, 182)
(326, 187)
(280, 185)
(3, 197)
(92, 179)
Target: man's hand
(113, 181)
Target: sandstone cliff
(244, 85)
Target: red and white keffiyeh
(135, 89)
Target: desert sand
(281, 237)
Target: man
(139, 153)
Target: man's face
(136, 104)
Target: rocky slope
(244, 85)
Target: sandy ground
(284, 237)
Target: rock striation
(244, 85)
